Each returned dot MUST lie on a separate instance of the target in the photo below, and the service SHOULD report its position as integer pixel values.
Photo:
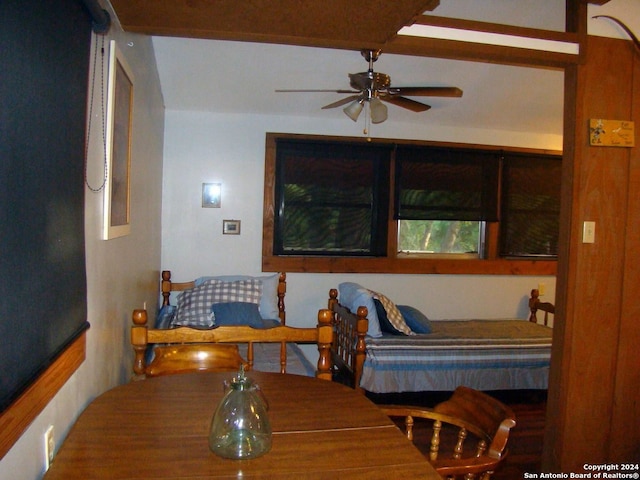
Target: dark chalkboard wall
(44, 64)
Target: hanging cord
(102, 116)
(367, 119)
(627, 30)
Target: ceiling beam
(445, 41)
(346, 24)
(330, 24)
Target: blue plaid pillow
(194, 305)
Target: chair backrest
(472, 426)
(183, 346)
(173, 359)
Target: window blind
(329, 198)
(446, 184)
(530, 217)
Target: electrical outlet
(49, 447)
(541, 289)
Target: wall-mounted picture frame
(211, 195)
(117, 190)
(231, 227)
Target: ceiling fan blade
(344, 101)
(405, 103)
(311, 91)
(425, 91)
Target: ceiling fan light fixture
(369, 87)
(353, 110)
(378, 110)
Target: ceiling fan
(372, 88)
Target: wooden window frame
(392, 262)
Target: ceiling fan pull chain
(367, 120)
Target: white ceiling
(240, 77)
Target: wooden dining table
(158, 428)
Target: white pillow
(352, 296)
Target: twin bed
(375, 345)
(512, 354)
(238, 300)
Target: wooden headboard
(348, 349)
(167, 286)
(535, 304)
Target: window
(331, 199)
(443, 237)
(342, 205)
(443, 196)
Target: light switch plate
(589, 232)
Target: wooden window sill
(408, 265)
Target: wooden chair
(474, 425)
(535, 304)
(188, 349)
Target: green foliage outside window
(438, 236)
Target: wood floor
(525, 441)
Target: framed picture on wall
(231, 227)
(117, 191)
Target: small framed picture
(231, 227)
(211, 195)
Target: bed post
(333, 298)
(166, 286)
(282, 290)
(325, 342)
(535, 304)
(139, 341)
(362, 326)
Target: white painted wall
(121, 273)
(206, 147)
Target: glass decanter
(240, 428)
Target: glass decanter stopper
(240, 427)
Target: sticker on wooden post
(611, 133)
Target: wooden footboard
(348, 349)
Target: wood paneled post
(593, 412)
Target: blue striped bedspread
(482, 354)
